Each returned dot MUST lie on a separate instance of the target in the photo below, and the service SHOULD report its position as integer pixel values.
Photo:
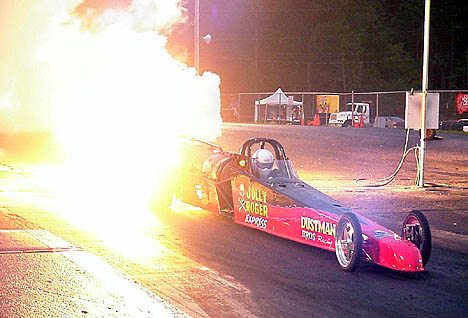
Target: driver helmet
(262, 161)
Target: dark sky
(303, 45)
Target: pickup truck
(344, 119)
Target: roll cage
(279, 153)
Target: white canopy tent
(278, 107)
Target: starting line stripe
(137, 299)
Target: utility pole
(256, 77)
(196, 52)
(424, 93)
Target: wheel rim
(412, 231)
(345, 247)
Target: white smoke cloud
(145, 15)
(118, 72)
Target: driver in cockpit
(262, 163)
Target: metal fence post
(377, 106)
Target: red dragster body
(283, 205)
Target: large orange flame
(104, 85)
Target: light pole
(424, 93)
(197, 37)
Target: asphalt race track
(207, 266)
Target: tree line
(328, 45)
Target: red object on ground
(361, 121)
(316, 120)
(355, 122)
(462, 103)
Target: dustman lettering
(314, 225)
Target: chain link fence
(241, 107)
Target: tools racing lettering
(321, 227)
(261, 223)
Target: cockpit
(268, 161)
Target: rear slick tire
(348, 242)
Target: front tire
(348, 242)
(416, 229)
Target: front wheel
(348, 242)
(416, 229)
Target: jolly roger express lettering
(256, 202)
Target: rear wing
(213, 147)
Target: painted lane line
(137, 300)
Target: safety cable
(387, 180)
